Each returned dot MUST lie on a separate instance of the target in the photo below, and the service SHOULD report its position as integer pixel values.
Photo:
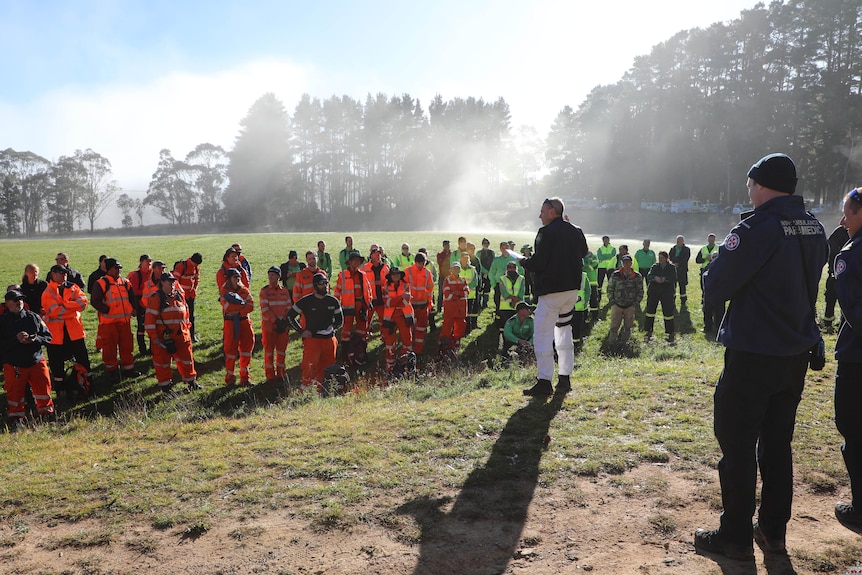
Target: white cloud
(129, 124)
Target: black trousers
(712, 314)
(665, 296)
(831, 296)
(848, 400)
(755, 414)
(58, 354)
(682, 283)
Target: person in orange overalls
(117, 304)
(375, 270)
(62, 304)
(22, 333)
(397, 315)
(455, 291)
(275, 302)
(322, 316)
(189, 275)
(353, 290)
(237, 304)
(421, 283)
(168, 327)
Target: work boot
(564, 384)
(848, 516)
(129, 373)
(773, 545)
(670, 337)
(193, 385)
(713, 542)
(542, 387)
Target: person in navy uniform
(768, 268)
(848, 351)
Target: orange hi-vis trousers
(274, 348)
(117, 337)
(318, 353)
(237, 348)
(17, 379)
(184, 358)
(390, 335)
(420, 327)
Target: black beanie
(776, 172)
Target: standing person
(275, 302)
(304, 284)
(375, 272)
(138, 278)
(168, 326)
(679, 256)
(645, 258)
(289, 269)
(72, 275)
(444, 261)
(32, 287)
(243, 263)
(579, 319)
(769, 268)
(62, 304)
(397, 315)
(662, 285)
(421, 284)
(486, 258)
(624, 251)
(237, 304)
(607, 257)
(404, 259)
(625, 292)
(22, 334)
(324, 260)
(498, 270)
(353, 289)
(230, 261)
(471, 275)
(455, 292)
(432, 267)
(591, 263)
(344, 255)
(115, 300)
(711, 314)
(848, 352)
(188, 274)
(511, 294)
(837, 239)
(558, 265)
(96, 274)
(529, 279)
(322, 317)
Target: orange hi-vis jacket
(421, 285)
(221, 277)
(347, 287)
(174, 316)
(455, 291)
(394, 299)
(231, 309)
(118, 300)
(275, 302)
(59, 310)
(304, 284)
(188, 275)
(378, 282)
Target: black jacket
(17, 353)
(558, 256)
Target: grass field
(191, 461)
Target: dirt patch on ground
(639, 522)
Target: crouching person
(167, 323)
(323, 317)
(22, 334)
(518, 333)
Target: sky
(130, 78)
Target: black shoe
(564, 384)
(712, 542)
(542, 387)
(196, 338)
(848, 516)
(769, 544)
(193, 385)
(130, 373)
(167, 389)
(670, 338)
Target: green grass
(129, 456)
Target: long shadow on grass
(482, 529)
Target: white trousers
(554, 308)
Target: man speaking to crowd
(557, 263)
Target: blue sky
(130, 78)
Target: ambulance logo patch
(840, 266)
(731, 242)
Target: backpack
(357, 351)
(77, 382)
(336, 381)
(405, 365)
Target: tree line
(686, 121)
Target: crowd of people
(543, 296)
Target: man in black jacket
(679, 256)
(22, 334)
(557, 264)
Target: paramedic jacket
(769, 268)
(848, 278)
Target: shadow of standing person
(481, 531)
